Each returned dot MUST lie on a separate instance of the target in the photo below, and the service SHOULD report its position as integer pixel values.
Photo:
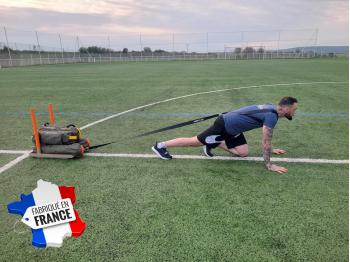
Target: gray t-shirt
(237, 122)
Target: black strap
(179, 125)
(164, 129)
(101, 145)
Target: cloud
(95, 20)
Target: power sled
(51, 141)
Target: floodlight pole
(173, 44)
(37, 40)
(8, 47)
(278, 43)
(207, 38)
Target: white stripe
(14, 162)
(292, 160)
(202, 93)
(15, 152)
(275, 159)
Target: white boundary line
(202, 93)
(259, 159)
(14, 162)
(15, 152)
(291, 160)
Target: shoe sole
(205, 152)
(157, 153)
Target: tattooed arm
(267, 150)
(266, 143)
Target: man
(227, 132)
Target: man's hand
(278, 151)
(278, 169)
(267, 150)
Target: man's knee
(194, 141)
(241, 151)
(243, 154)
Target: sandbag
(53, 135)
(62, 140)
(76, 149)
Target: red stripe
(77, 226)
(67, 192)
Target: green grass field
(185, 210)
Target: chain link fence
(24, 48)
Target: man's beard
(288, 116)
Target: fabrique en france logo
(49, 211)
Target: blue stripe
(37, 234)
(38, 238)
(20, 208)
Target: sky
(117, 22)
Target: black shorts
(217, 133)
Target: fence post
(140, 47)
(109, 48)
(59, 35)
(278, 43)
(8, 47)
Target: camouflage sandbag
(76, 149)
(52, 135)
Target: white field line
(202, 93)
(15, 152)
(274, 159)
(14, 162)
(126, 155)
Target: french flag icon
(47, 192)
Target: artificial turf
(187, 210)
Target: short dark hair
(287, 101)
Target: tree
(125, 50)
(147, 50)
(248, 50)
(83, 50)
(261, 50)
(6, 49)
(159, 51)
(238, 50)
(95, 50)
